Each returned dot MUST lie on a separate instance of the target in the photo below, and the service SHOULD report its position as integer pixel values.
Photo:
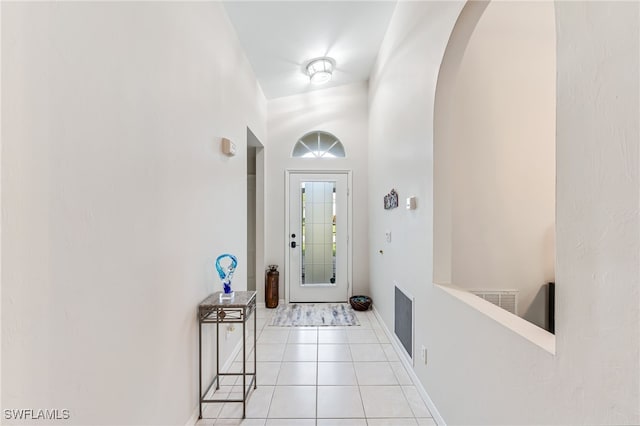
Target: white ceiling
(280, 37)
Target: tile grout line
(276, 380)
(353, 365)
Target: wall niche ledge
(521, 327)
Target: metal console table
(213, 310)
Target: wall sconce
(228, 147)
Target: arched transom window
(318, 144)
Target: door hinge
(348, 191)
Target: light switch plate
(411, 203)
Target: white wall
(251, 215)
(495, 109)
(480, 372)
(116, 201)
(341, 111)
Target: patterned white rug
(314, 314)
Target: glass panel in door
(318, 237)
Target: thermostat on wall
(228, 147)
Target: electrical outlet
(423, 354)
(230, 329)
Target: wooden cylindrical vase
(271, 283)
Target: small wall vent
(506, 299)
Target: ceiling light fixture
(320, 70)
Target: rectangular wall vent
(506, 299)
(403, 321)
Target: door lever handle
(293, 244)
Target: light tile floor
(322, 376)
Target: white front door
(318, 240)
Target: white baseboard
(414, 378)
(194, 417)
(227, 364)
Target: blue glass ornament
(226, 273)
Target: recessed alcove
(494, 160)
